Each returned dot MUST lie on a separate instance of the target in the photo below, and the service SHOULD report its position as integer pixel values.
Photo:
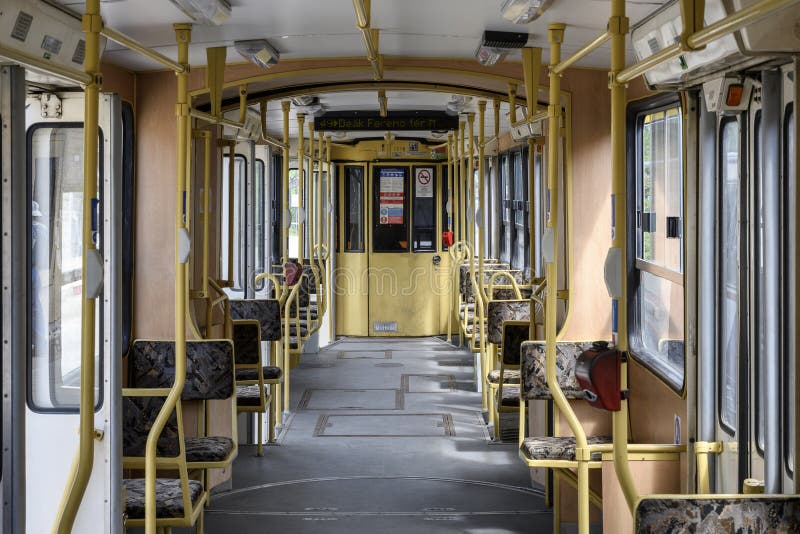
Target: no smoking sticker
(423, 180)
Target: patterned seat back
(515, 333)
(266, 311)
(745, 513)
(534, 383)
(246, 342)
(505, 310)
(209, 367)
(138, 416)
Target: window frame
(100, 326)
(635, 124)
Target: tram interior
(380, 266)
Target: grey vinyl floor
(383, 436)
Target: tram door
(747, 397)
(406, 273)
(54, 184)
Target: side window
(657, 295)
(729, 289)
(505, 199)
(55, 186)
(522, 219)
(294, 206)
(277, 207)
(237, 274)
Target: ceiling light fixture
(457, 104)
(214, 12)
(258, 51)
(523, 11)
(310, 105)
(494, 46)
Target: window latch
(673, 227)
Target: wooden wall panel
(120, 81)
(154, 286)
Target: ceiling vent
(523, 11)
(39, 30)
(307, 104)
(213, 12)
(494, 46)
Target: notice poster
(391, 196)
(423, 182)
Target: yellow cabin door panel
(404, 288)
(351, 286)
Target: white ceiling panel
(326, 28)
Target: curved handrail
(277, 287)
(507, 275)
(223, 299)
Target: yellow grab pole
(481, 196)
(183, 36)
(452, 305)
(92, 24)
(285, 106)
(556, 37)
(456, 208)
(469, 179)
(318, 197)
(231, 208)
(512, 103)
(462, 150)
(309, 216)
(301, 205)
(618, 27)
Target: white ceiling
(326, 28)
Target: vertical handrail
(301, 203)
(285, 220)
(231, 208)
(618, 27)
(81, 472)
(183, 36)
(583, 455)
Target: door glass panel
(424, 217)
(354, 209)
(729, 257)
(239, 234)
(260, 210)
(390, 209)
(56, 243)
(789, 303)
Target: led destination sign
(355, 120)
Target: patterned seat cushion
(209, 449)
(510, 376)
(757, 514)
(209, 367)
(266, 311)
(510, 396)
(248, 395)
(534, 369)
(169, 497)
(505, 310)
(559, 447)
(270, 372)
(138, 416)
